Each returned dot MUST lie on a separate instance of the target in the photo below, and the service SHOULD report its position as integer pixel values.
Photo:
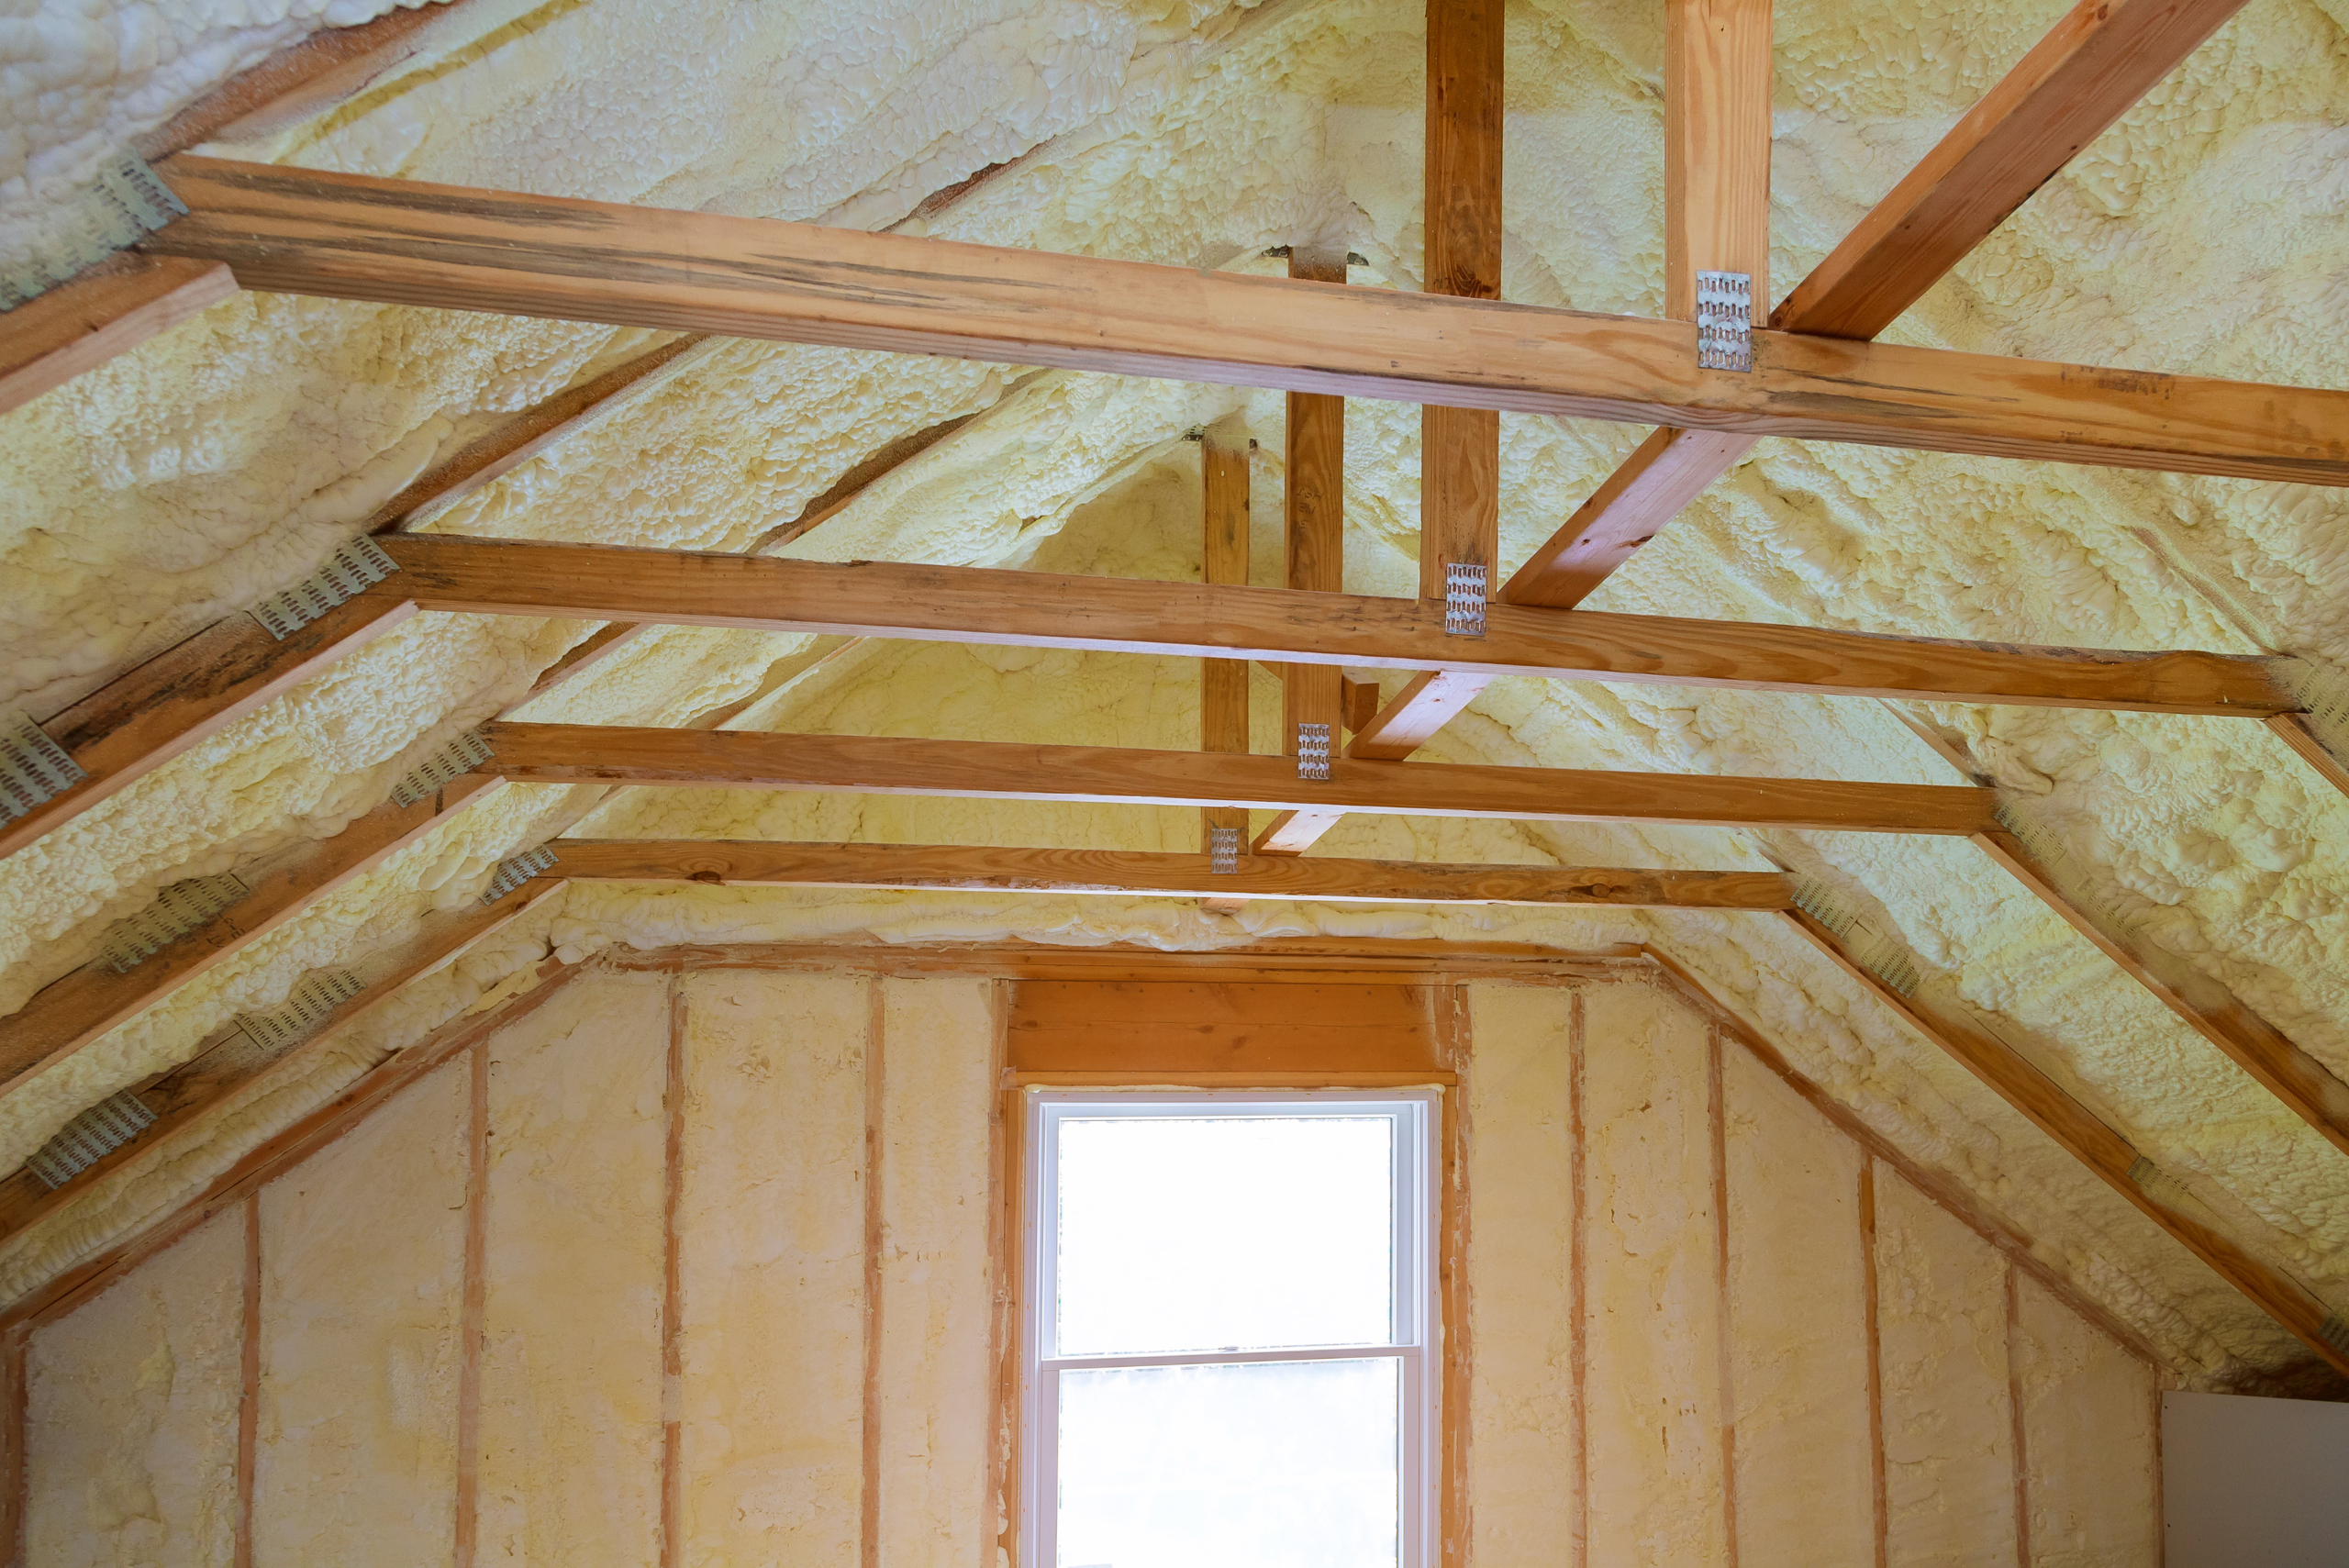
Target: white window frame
(1416, 1341)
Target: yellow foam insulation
(223, 460)
(130, 1413)
(771, 1232)
(571, 1404)
(2090, 1422)
(1523, 1485)
(1652, 1321)
(1798, 1325)
(935, 1369)
(362, 1269)
(1948, 1417)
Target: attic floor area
(1140, 781)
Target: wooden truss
(1455, 348)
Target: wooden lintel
(574, 753)
(351, 235)
(1279, 625)
(961, 868)
(2104, 1151)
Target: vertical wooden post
(1460, 449)
(1223, 683)
(15, 1472)
(1724, 1347)
(1576, 1252)
(474, 1315)
(2015, 1414)
(1868, 1288)
(869, 1508)
(1715, 147)
(1454, 1047)
(249, 1392)
(1314, 540)
(672, 1290)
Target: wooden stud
(353, 236)
(1725, 1356)
(2018, 1453)
(1313, 538)
(15, 1430)
(1577, 1251)
(1715, 147)
(1869, 1287)
(1454, 1044)
(567, 753)
(474, 1330)
(1003, 1319)
(248, 1396)
(774, 863)
(674, 1091)
(876, 1238)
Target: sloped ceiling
(2205, 233)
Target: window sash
(1418, 1117)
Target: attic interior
(1147, 781)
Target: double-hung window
(1229, 1329)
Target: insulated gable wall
(703, 1267)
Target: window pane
(1270, 1464)
(1214, 1233)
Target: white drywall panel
(2254, 1481)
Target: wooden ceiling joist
(350, 236)
(2104, 1151)
(953, 604)
(963, 868)
(2081, 77)
(586, 753)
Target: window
(1229, 1330)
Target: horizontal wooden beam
(962, 868)
(586, 753)
(2048, 1106)
(350, 236)
(136, 723)
(1035, 610)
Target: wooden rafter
(350, 236)
(2079, 1132)
(118, 303)
(585, 754)
(233, 1058)
(2080, 78)
(1121, 872)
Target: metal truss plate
(123, 204)
(1223, 851)
(1724, 321)
(1313, 753)
(1464, 598)
(355, 564)
(314, 997)
(516, 870)
(34, 769)
(462, 755)
(177, 911)
(90, 1138)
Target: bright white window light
(1230, 1326)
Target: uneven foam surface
(223, 460)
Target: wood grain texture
(1284, 627)
(135, 724)
(2294, 730)
(72, 1011)
(1715, 147)
(105, 310)
(1223, 559)
(351, 235)
(2102, 58)
(232, 1059)
(726, 862)
(1313, 511)
(2104, 1151)
(568, 753)
(1650, 488)
(2205, 1006)
(1181, 1027)
(1460, 447)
